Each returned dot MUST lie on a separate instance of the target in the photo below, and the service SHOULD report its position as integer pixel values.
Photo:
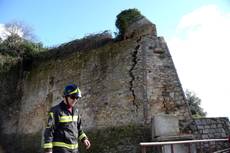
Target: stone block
(164, 125)
(219, 125)
(159, 50)
(206, 131)
(223, 135)
(204, 136)
(200, 127)
(197, 122)
(213, 126)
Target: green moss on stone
(22, 143)
(125, 18)
(123, 139)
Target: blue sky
(59, 21)
(197, 33)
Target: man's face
(72, 99)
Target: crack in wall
(165, 106)
(131, 82)
(165, 94)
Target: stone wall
(123, 83)
(163, 90)
(211, 128)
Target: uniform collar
(65, 107)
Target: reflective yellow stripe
(62, 144)
(82, 136)
(75, 118)
(51, 114)
(75, 91)
(64, 119)
(48, 145)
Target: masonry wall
(123, 83)
(164, 91)
(211, 128)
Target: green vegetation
(15, 49)
(125, 18)
(25, 143)
(18, 43)
(16, 46)
(117, 139)
(194, 104)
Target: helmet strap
(67, 101)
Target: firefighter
(64, 125)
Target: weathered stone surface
(141, 27)
(211, 128)
(164, 125)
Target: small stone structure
(211, 128)
(166, 128)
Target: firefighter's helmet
(72, 90)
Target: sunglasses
(73, 97)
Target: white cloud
(2, 30)
(201, 52)
(4, 34)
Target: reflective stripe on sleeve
(83, 135)
(51, 114)
(48, 145)
(50, 120)
(75, 118)
(65, 145)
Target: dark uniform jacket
(63, 130)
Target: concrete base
(175, 138)
(165, 128)
(179, 148)
(164, 125)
